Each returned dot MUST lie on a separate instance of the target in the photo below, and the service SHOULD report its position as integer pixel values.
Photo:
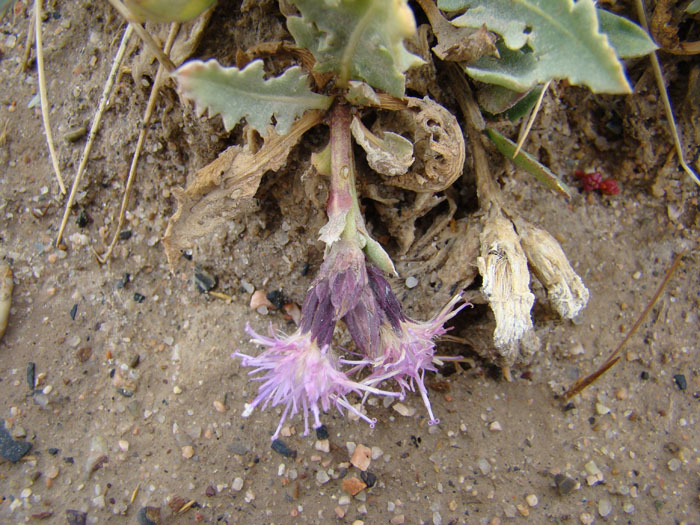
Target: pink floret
(302, 377)
(407, 352)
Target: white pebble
(411, 282)
(604, 507)
(322, 477)
(404, 410)
(237, 484)
(495, 427)
(531, 500)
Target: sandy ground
(135, 407)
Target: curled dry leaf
(437, 141)
(389, 155)
(458, 44)
(565, 289)
(6, 286)
(219, 190)
(506, 284)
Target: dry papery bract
(221, 189)
(565, 289)
(506, 285)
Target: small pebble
(148, 516)
(281, 447)
(219, 406)
(369, 478)
(604, 507)
(78, 517)
(411, 282)
(187, 451)
(322, 477)
(523, 510)
(674, 465)
(361, 457)
(404, 410)
(123, 445)
(531, 500)
(564, 484)
(210, 491)
(484, 466)
(601, 409)
(322, 432)
(353, 485)
(377, 453)
(322, 445)
(344, 500)
(586, 518)
(203, 280)
(237, 484)
(681, 382)
(495, 427)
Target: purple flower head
(301, 375)
(408, 350)
(336, 290)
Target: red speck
(592, 181)
(609, 187)
(579, 174)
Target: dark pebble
(276, 298)
(69, 460)
(281, 447)
(10, 449)
(210, 491)
(53, 451)
(125, 393)
(672, 448)
(569, 406)
(368, 477)
(148, 516)
(31, 370)
(203, 279)
(681, 383)
(134, 360)
(187, 255)
(644, 375)
(564, 484)
(125, 235)
(74, 311)
(139, 298)
(82, 219)
(322, 432)
(305, 269)
(121, 283)
(76, 517)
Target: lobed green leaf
(542, 40)
(357, 39)
(627, 38)
(245, 93)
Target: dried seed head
(506, 280)
(565, 289)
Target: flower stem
(342, 202)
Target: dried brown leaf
(438, 145)
(220, 189)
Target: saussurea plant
(357, 58)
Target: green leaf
(238, 93)
(693, 8)
(627, 38)
(529, 163)
(547, 39)
(358, 39)
(167, 10)
(497, 99)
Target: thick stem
(342, 202)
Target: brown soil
(103, 423)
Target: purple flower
(336, 290)
(302, 376)
(407, 350)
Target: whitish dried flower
(301, 376)
(506, 280)
(565, 289)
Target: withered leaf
(221, 188)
